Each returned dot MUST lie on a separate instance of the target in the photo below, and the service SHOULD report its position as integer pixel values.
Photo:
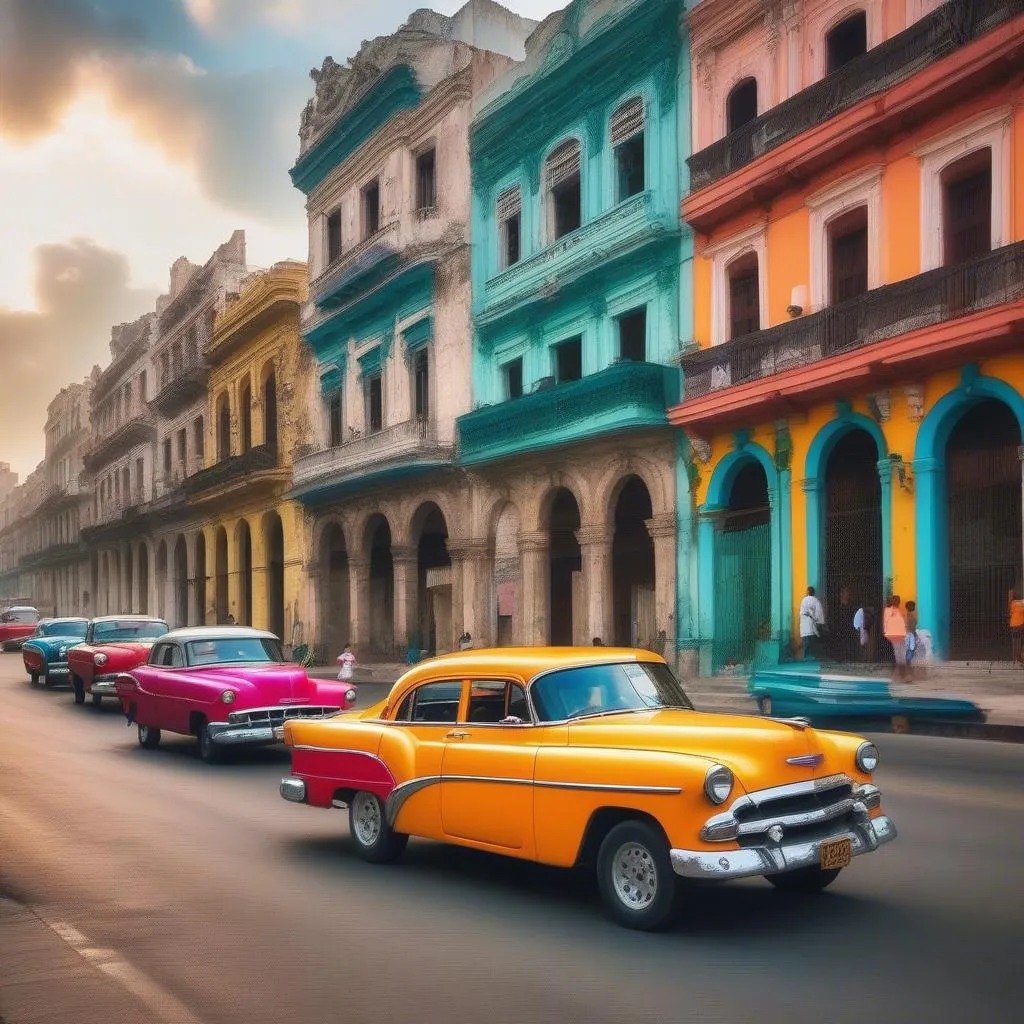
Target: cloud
(80, 289)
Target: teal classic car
(45, 653)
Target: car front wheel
(97, 699)
(804, 880)
(375, 840)
(209, 751)
(635, 876)
(149, 738)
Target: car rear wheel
(97, 699)
(33, 678)
(804, 880)
(149, 738)
(764, 705)
(79, 687)
(635, 876)
(376, 841)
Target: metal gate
(853, 547)
(743, 589)
(983, 475)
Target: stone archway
(381, 624)
(507, 577)
(566, 606)
(433, 619)
(243, 547)
(334, 591)
(221, 595)
(633, 570)
(273, 547)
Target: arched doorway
(180, 582)
(743, 569)
(983, 487)
(130, 602)
(273, 545)
(507, 574)
(161, 580)
(633, 614)
(565, 601)
(143, 603)
(221, 596)
(201, 578)
(433, 581)
(852, 544)
(243, 542)
(334, 591)
(382, 587)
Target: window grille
(509, 203)
(563, 163)
(627, 121)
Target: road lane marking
(157, 1000)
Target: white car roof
(218, 633)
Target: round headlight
(61, 651)
(228, 696)
(718, 783)
(867, 757)
(100, 659)
(350, 695)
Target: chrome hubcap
(635, 876)
(366, 818)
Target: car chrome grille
(277, 716)
(822, 810)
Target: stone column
(359, 600)
(478, 599)
(663, 532)
(406, 567)
(196, 614)
(596, 551)
(534, 569)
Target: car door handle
(456, 734)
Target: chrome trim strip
(798, 722)
(865, 837)
(397, 797)
(234, 715)
(222, 732)
(837, 810)
(104, 688)
(806, 760)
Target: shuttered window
(627, 121)
(563, 164)
(509, 203)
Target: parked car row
(565, 756)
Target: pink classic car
(225, 685)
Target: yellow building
(261, 373)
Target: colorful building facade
(854, 397)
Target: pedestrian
(894, 628)
(864, 623)
(1016, 608)
(465, 642)
(911, 639)
(812, 620)
(347, 661)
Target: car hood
(55, 641)
(259, 685)
(758, 750)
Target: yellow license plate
(836, 853)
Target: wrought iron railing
(351, 264)
(233, 468)
(181, 384)
(138, 426)
(940, 33)
(51, 554)
(922, 301)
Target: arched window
(562, 183)
(741, 105)
(744, 296)
(627, 134)
(846, 41)
(223, 427)
(967, 207)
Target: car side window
(497, 701)
(437, 703)
(518, 707)
(156, 656)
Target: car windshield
(127, 629)
(602, 689)
(235, 650)
(63, 627)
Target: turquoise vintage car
(810, 692)
(45, 653)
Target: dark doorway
(565, 565)
(633, 567)
(382, 588)
(246, 418)
(334, 595)
(143, 580)
(129, 579)
(270, 411)
(221, 561)
(243, 537)
(433, 589)
(201, 579)
(180, 583)
(273, 541)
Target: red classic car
(113, 644)
(17, 624)
(225, 685)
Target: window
(433, 703)
(199, 439)
(139, 475)
(627, 135)
(182, 447)
(371, 208)
(333, 236)
(562, 174)
(246, 417)
(421, 384)
(848, 255)
(848, 40)
(967, 208)
(126, 484)
(496, 702)
(167, 455)
(142, 385)
(509, 219)
(373, 396)
(334, 423)
(513, 374)
(569, 360)
(169, 656)
(633, 336)
(741, 106)
(165, 368)
(223, 428)
(744, 297)
(426, 198)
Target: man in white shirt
(812, 618)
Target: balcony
(252, 470)
(182, 385)
(881, 335)
(402, 449)
(625, 396)
(54, 554)
(138, 428)
(616, 233)
(351, 272)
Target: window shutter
(508, 204)
(563, 163)
(628, 120)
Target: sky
(133, 132)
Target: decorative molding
(914, 395)
(783, 448)
(771, 29)
(880, 405)
(700, 447)
(595, 131)
(722, 254)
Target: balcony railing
(181, 385)
(346, 272)
(232, 469)
(623, 396)
(413, 441)
(887, 312)
(137, 428)
(940, 33)
(52, 555)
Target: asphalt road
(249, 910)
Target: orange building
(854, 392)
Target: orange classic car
(592, 755)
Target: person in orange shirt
(894, 626)
(1017, 627)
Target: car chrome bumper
(57, 670)
(865, 837)
(293, 789)
(104, 687)
(228, 734)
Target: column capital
(358, 563)
(661, 526)
(403, 553)
(810, 485)
(537, 541)
(594, 536)
(471, 549)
